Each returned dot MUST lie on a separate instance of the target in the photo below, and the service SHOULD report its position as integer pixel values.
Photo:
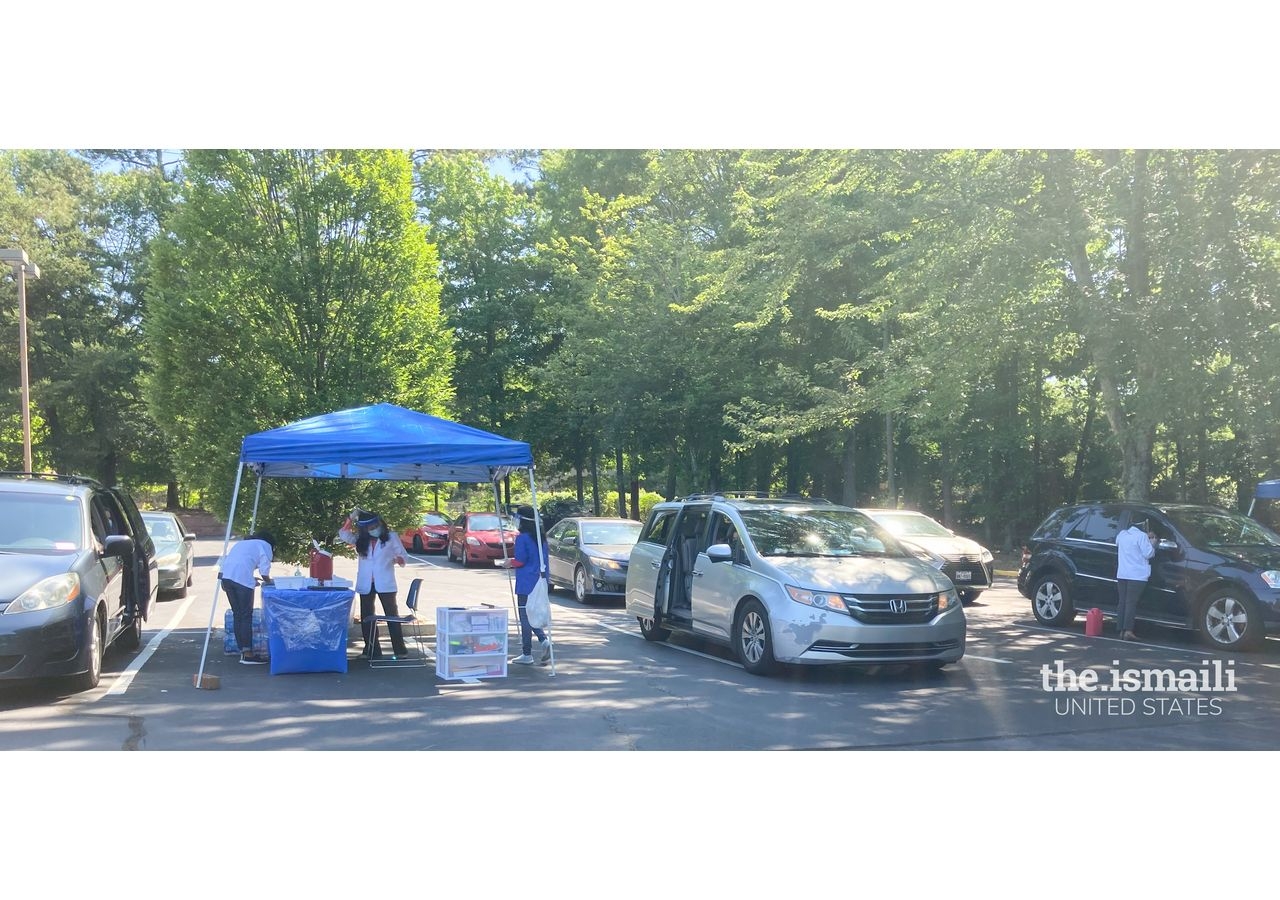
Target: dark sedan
(589, 555)
(174, 550)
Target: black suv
(1214, 571)
(77, 573)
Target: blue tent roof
(382, 443)
(1268, 490)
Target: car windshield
(39, 522)
(817, 532)
(620, 532)
(434, 519)
(1213, 528)
(911, 525)
(489, 523)
(162, 529)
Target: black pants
(366, 622)
(241, 600)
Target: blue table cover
(307, 629)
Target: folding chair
(407, 623)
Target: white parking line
(426, 562)
(125, 678)
(630, 633)
(969, 655)
(1201, 653)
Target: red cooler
(321, 565)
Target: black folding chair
(408, 623)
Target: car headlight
(473, 541)
(948, 600)
(606, 563)
(987, 555)
(1272, 578)
(48, 594)
(818, 599)
(925, 556)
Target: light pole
(22, 268)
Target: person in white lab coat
(378, 552)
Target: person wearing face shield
(378, 552)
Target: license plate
(964, 575)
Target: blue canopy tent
(383, 442)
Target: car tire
(448, 551)
(967, 597)
(131, 637)
(87, 681)
(466, 559)
(1229, 622)
(190, 579)
(1051, 601)
(652, 631)
(753, 640)
(417, 543)
(580, 592)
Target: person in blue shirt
(529, 567)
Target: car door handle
(696, 572)
(653, 564)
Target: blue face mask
(376, 531)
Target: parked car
(78, 573)
(967, 563)
(479, 537)
(174, 551)
(589, 554)
(1214, 571)
(782, 580)
(430, 535)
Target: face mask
(375, 532)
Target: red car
(430, 536)
(474, 537)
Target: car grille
(972, 562)
(497, 545)
(881, 610)
(887, 651)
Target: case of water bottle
(229, 643)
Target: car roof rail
(752, 495)
(53, 476)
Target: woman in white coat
(378, 552)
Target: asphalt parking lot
(612, 690)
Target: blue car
(1214, 571)
(78, 573)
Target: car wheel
(753, 641)
(417, 543)
(967, 597)
(466, 559)
(580, 592)
(189, 578)
(448, 551)
(1229, 622)
(131, 637)
(87, 681)
(1051, 601)
(652, 631)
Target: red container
(1093, 622)
(321, 566)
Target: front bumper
(44, 643)
(807, 636)
(172, 578)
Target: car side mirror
(720, 553)
(188, 537)
(120, 545)
(1168, 546)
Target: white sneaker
(524, 659)
(544, 652)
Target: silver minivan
(792, 581)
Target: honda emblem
(897, 605)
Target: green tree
(292, 283)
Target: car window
(112, 515)
(557, 532)
(489, 522)
(570, 532)
(909, 525)
(693, 527)
(434, 519)
(1219, 528)
(40, 522)
(162, 528)
(817, 532)
(620, 532)
(1052, 526)
(1099, 525)
(659, 527)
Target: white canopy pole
(502, 538)
(217, 583)
(542, 560)
(253, 516)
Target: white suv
(790, 581)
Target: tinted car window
(1052, 526)
(620, 532)
(659, 527)
(1205, 528)
(41, 522)
(1099, 525)
(434, 519)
